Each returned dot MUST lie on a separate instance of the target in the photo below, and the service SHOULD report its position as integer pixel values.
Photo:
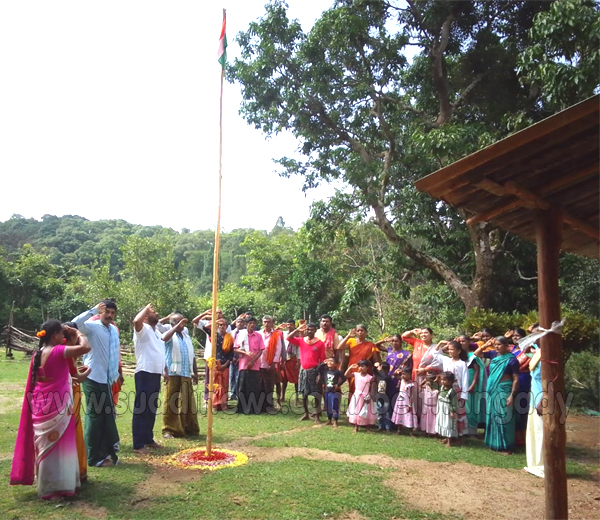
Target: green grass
(294, 488)
(289, 489)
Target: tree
(365, 114)
(281, 266)
(563, 60)
(36, 286)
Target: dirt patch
(474, 492)
(10, 404)
(164, 481)
(583, 438)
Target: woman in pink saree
(46, 445)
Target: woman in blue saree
(502, 385)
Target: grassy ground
(288, 488)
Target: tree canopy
(379, 94)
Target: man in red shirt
(312, 354)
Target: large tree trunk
(482, 285)
(476, 295)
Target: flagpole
(215, 284)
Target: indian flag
(222, 52)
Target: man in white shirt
(150, 364)
(272, 354)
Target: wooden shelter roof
(554, 162)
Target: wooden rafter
(528, 199)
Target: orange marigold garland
(196, 458)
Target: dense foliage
(353, 274)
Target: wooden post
(549, 237)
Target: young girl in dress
(445, 423)
(361, 410)
(456, 364)
(405, 409)
(430, 399)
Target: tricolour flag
(222, 52)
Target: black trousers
(147, 389)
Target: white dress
(444, 424)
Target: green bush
(498, 322)
(582, 378)
(580, 333)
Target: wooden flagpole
(215, 284)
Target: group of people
(448, 389)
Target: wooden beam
(526, 198)
(581, 226)
(548, 225)
(492, 187)
(498, 210)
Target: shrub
(498, 322)
(580, 332)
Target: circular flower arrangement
(196, 458)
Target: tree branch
(440, 81)
(420, 257)
(528, 278)
(317, 107)
(466, 91)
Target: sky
(110, 110)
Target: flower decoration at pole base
(196, 458)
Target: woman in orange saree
(359, 348)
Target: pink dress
(430, 398)
(361, 412)
(407, 397)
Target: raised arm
(81, 347)
(480, 350)
(85, 316)
(202, 316)
(380, 343)
(177, 328)
(138, 321)
(444, 344)
(343, 345)
(166, 319)
(349, 374)
(410, 336)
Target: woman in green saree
(475, 403)
(502, 387)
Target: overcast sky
(111, 110)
